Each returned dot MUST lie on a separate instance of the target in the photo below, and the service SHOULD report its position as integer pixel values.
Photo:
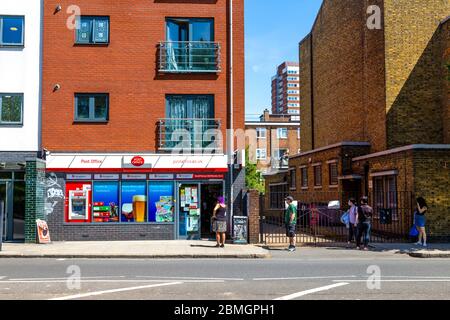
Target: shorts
(420, 221)
(290, 230)
(220, 226)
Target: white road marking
(399, 280)
(62, 259)
(97, 293)
(114, 281)
(64, 278)
(197, 278)
(306, 292)
(2, 277)
(303, 278)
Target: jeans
(351, 232)
(363, 232)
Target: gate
(319, 221)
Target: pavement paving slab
(133, 249)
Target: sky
(273, 30)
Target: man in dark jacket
(363, 223)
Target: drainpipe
(230, 134)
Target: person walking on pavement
(363, 220)
(352, 221)
(220, 222)
(291, 222)
(420, 219)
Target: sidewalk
(434, 250)
(132, 249)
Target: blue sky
(273, 29)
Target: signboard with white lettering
(79, 177)
(106, 177)
(161, 177)
(134, 177)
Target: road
(310, 273)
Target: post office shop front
(133, 204)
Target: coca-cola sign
(138, 161)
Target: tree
(253, 178)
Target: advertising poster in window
(134, 202)
(161, 204)
(106, 201)
(78, 202)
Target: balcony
(189, 136)
(189, 57)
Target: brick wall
(34, 197)
(127, 70)
(414, 71)
(253, 216)
(445, 31)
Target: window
(290, 111)
(261, 133)
(293, 99)
(261, 154)
(304, 177)
(282, 133)
(11, 109)
(293, 92)
(293, 79)
(294, 105)
(292, 179)
(92, 30)
(11, 30)
(298, 133)
(318, 176)
(278, 192)
(91, 107)
(293, 85)
(385, 194)
(333, 174)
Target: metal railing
(189, 57)
(189, 135)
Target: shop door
(3, 199)
(209, 195)
(189, 220)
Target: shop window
(105, 201)
(317, 176)
(333, 174)
(91, 107)
(161, 202)
(134, 201)
(12, 31)
(92, 30)
(11, 109)
(304, 177)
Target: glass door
(189, 221)
(3, 199)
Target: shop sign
(79, 177)
(138, 162)
(106, 177)
(161, 177)
(209, 176)
(134, 177)
(185, 176)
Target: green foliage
(253, 178)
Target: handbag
(413, 232)
(345, 218)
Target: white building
(20, 74)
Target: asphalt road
(317, 274)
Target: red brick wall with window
(126, 68)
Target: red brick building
(286, 89)
(375, 111)
(119, 80)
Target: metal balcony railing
(189, 57)
(189, 135)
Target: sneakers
(425, 245)
(291, 248)
(418, 243)
(222, 246)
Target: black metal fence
(319, 218)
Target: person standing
(220, 222)
(420, 220)
(290, 220)
(363, 220)
(352, 221)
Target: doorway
(3, 200)
(209, 194)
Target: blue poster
(105, 201)
(134, 202)
(161, 204)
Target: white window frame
(259, 136)
(279, 130)
(259, 153)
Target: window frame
(258, 136)
(91, 108)
(292, 179)
(2, 123)
(92, 22)
(259, 157)
(318, 169)
(333, 182)
(304, 177)
(12, 45)
(279, 135)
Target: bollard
(1, 223)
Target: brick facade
(34, 197)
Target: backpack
(364, 213)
